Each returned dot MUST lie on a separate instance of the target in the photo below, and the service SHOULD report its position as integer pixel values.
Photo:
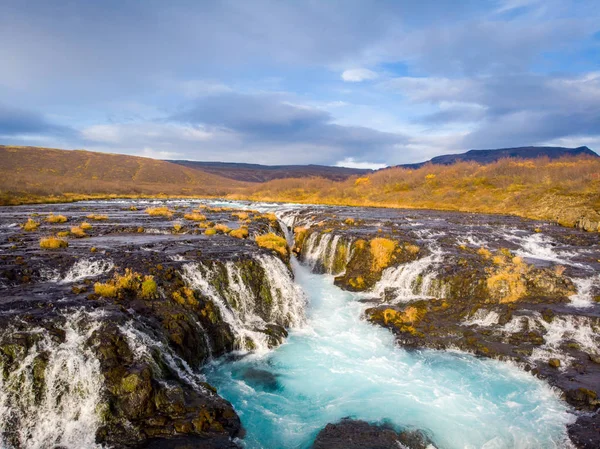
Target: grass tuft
(56, 218)
(162, 211)
(97, 217)
(30, 225)
(53, 243)
(241, 233)
(274, 242)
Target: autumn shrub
(274, 242)
(161, 211)
(240, 233)
(129, 283)
(30, 225)
(222, 228)
(56, 218)
(53, 243)
(195, 216)
(78, 232)
(382, 250)
(97, 217)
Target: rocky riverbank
(104, 339)
(500, 287)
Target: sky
(337, 82)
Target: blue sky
(355, 83)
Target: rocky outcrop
(112, 332)
(354, 434)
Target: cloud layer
(341, 82)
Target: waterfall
(320, 250)
(55, 403)
(238, 303)
(482, 318)
(412, 280)
(583, 297)
(148, 349)
(86, 268)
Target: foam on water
(482, 318)
(583, 297)
(412, 280)
(87, 268)
(338, 365)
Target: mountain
(263, 173)
(489, 156)
(27, 172)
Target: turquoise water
(338, 365)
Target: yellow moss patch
(56, 218)
(162, 211)
(132, 282)
(63, 234)
(222, 228)
(411, 249)
(506, 282)
(105, 290)
(77, 232)
(53, 243)
(269, 216)
(148, 288)
(358, 282)
(240, 233)
(299, 236)
(349, 221)
(382, 250)
(97, 217)
(30, 225)
(177, 227)
(210, 231)
(240, 215)
(133, 208)
(195, 216)
(85, 226)
(484, 252)
(185, 296)
(274, 242)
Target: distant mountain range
(264, 173)
(489, 156)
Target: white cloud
(358, 75)
(350, 162)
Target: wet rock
(354, 434)
(554, 363)
(584, 432)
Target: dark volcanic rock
(354, 434)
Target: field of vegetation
(35, 175)
(566, 190)
(563, 190)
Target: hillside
(263, 173)
(30, 174)
(566, 190)
(489, 156)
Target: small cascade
(412, 280)
(320, 251)
(582, 330)
(482, 318)
(53, 397)
(583, 297)
(247, 313)
(87, 268)
(579, 329)
(149, 349)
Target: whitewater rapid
(337, 365)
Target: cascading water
(320, 250)
(338, 365)
(87, 268)
(53, 397)
(237, 303)
(412, 280)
